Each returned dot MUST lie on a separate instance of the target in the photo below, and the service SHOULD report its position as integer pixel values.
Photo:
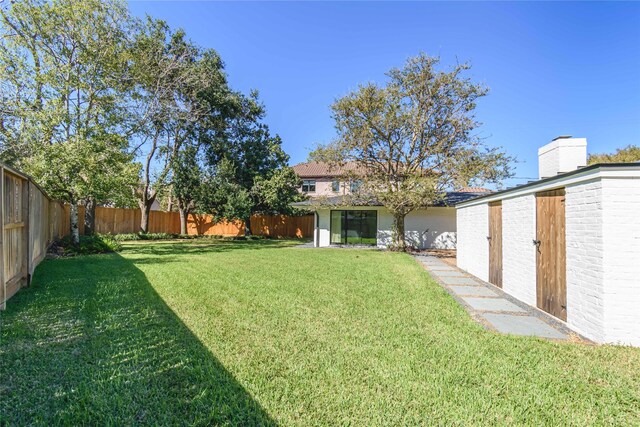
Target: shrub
(169, 236)
(126, 237)
(146, 236)
(97, 244)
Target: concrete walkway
(490, 306)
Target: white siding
(324, 224)
(518, 251)
(621, 247)
(473, 248)
(583, 212)
(385, 225)
(431, 228)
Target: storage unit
(568, 244)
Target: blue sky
(553, 68)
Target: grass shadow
(91, 342)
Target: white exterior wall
(324, 227)
(603, 252)
(621, 245)
(585, 252)
(324, 187)
(473, 247)
(518, 251)
(429, 228)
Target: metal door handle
(488, 237)
(537, 244)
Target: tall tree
(262, 181)
(628, 154)
(222, 195)
(187, 183)
(178, 84)
(413, 138)
(63, 71)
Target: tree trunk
(247, 226)
(73, 215)
(145, 209)
(184, 214)
(90, 216)
(399, 242)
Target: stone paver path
(491, 306)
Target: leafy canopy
(628, 154)
(414, 137)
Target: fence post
(26, 241)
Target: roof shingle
(323, 170)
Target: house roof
(557, 180)
(450, 199)
(474, 190)
(324, 170)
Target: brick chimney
(563, 154)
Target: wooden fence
(30, 221)
(122, 221)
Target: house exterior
(321, 179)
(342, 220)
(568, 243)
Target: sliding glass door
(350, 227)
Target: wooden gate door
(495, 243)
(551, 282)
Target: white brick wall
(518, 251)
(583, 213)
(621, 232)
(473, 247)
(603, 252)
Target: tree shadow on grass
(91, 342)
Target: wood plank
(14, 225)
(26, 255)
(551, 285)
(3, 288)
(495, 243)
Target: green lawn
(247, 333)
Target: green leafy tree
(222, 195)
(274, 193)
(628, 154)
(413, 138)
(187, 183)
(178, 86)
(259, 164)
(64, 73)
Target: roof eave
(586, 171)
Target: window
(354, 227)
(355, 185)
(308, 185)
(335, 186)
